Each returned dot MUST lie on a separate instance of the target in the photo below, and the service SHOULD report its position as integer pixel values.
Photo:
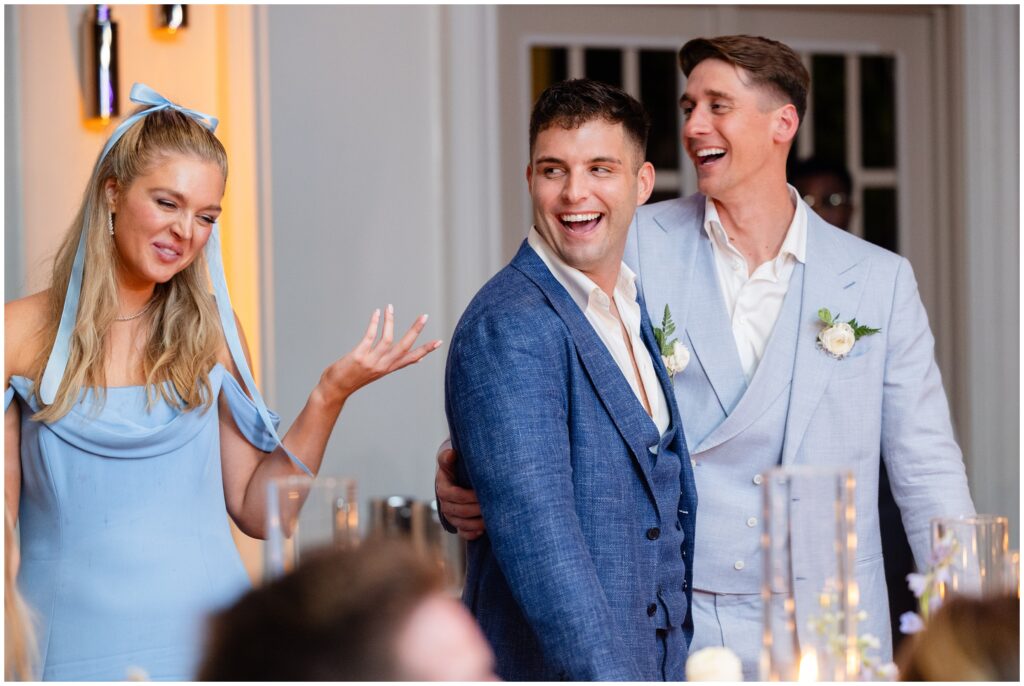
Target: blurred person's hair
(771, 65)
(335, 618)
(19, 634)
(967, 639)
(573, 103)
(819, 166)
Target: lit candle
(808, 667)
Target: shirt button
(738, 565)
(752, 521)
(693, 462)
(737, 266)
(653, 533)
(651, 609)
(758, 479)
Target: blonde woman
(125, 405)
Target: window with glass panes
(851, 120)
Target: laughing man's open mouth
(580, 222)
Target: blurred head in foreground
(966, 640)
(375, 613)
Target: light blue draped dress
(125, 541)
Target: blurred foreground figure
(377, 613)
(966, 640)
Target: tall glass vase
(809, 593)
(304, 514)
(977, 547)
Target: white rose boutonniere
(714, 664)
(674, 354)
(838, 338)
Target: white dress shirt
(753, 302)
(596, 306)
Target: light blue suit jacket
(587, 505)
(883, 401)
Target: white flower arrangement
(828, 625)
(714, 664)
(838, 338)
(674, 354)
(927, 587)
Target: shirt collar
(580, 286)
(794, 244)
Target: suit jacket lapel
(632, 422)
(774, 372)
(834, 280)
(690, 286)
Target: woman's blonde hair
(184, 329)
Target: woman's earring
(110, 222)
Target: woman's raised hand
(371, 360)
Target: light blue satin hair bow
(58, 362)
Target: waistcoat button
(653, 533)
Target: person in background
(966, 639)
(373, 613)
(827, 188)
(19, 636)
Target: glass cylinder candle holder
(976, 549)
(304, 514)
(809, 594)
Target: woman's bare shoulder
(24, 322)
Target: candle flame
(808, 667)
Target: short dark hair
(820, 166)
(335, 618)
(771, 64)
(574, 102)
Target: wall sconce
(171, 18)
(101, 84)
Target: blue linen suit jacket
(883, 400)
(557, 446)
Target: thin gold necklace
(129, 317)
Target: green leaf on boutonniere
(661, 335)
(825, 316)
(861, 330)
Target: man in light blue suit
(562, 410)
(744, 267)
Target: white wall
(367, 108)
(991, 209)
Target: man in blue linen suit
(744, 266)
(559, 403)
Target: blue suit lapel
(835, 280)
(637, 429)
(690, 287)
